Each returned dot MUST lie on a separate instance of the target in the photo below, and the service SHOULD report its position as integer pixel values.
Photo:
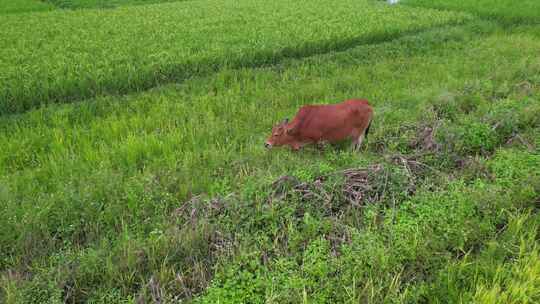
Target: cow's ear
(285, 121)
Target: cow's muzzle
(267, 145)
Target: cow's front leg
(296, 146)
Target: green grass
(507, 11)
(84, 53)
(23, 6)
(504, 271)
(95, 182)
(392, 254)
(168, 194)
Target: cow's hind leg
(359, 136)
(357, 139)
(357, 143)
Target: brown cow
(350, 119)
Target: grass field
(132, 177)
(85, 53)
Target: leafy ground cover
(168, 195)
(83, 53)
(391, 254)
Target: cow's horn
(286, 121)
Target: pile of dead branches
(356, 186)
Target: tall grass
(505, 270)
(70, 55)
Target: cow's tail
(367, 129)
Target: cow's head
(279, 136)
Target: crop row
(76, 4)
(61, 56)
(23, 6)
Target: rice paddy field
(133, 170)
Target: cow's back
(349, 111)
(315, 121)
(354, 103)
